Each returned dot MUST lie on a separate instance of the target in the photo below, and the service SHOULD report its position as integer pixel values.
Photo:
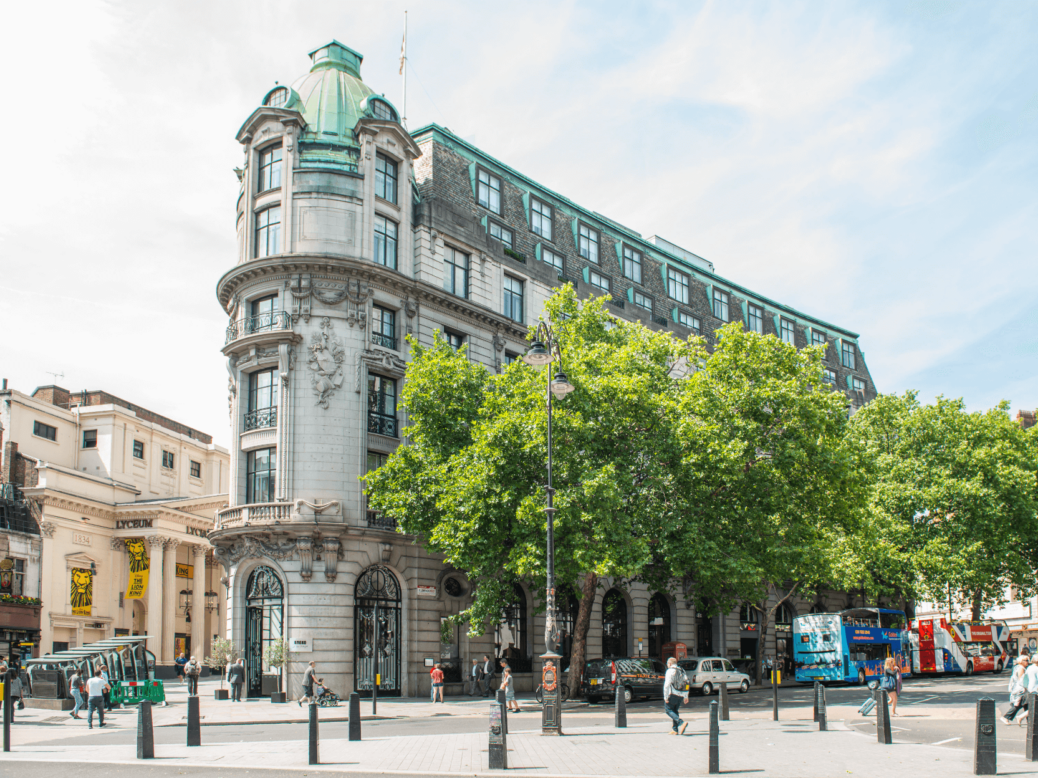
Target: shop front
(19, 630)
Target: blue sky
(872, 164)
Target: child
(508, 684)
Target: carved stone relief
(305, 547)
(304, 289)
(331, 548)
(325, 362)
(379, 361)
(248, 547)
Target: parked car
(707, 673)
(639, 676)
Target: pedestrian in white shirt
(675, 692)
(96, 688)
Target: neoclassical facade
(352, 234)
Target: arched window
(376, 642)
(784, 614)
(568, 607)
(264, 616)
(277, 98)
(748, 614)
(380, 110)
(659, 625)
(818, 607)
(614, 624)
(510, 636)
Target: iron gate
(376, 631)
(263, 618)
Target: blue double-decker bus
(850, 646)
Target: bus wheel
(998, 667)
(861, 677)
(969, 668)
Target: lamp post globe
(538, 355)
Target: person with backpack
(675, 692)
(890, 682)
(192, 670)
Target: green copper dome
(332, 96)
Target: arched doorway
(139, 618)
(784, 637)
(614, 625)
(264, 617)
(568, 607)
(510, 635)
(659, 625)
(376, 632)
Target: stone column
(120, 567)
(199, 643)
(170, 601)
(154, 628)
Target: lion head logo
(82, 588)
(138, 555)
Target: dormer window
(381, 110)
(277, 98)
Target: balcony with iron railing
(376, 520)
(382, 424)
(617, 301)
(265, 322)
(260, 419)
(386, 341)
(251, 515)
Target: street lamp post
(545, 348)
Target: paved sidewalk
(778, 750)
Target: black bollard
(816, 685)
(498, 748)
(8, 709)
(715, 738)
(315, 757)
(145, 734)
(1031, 744)
(194, 722)
(354, 716)
(621, 706)
(504, 709)
(882, 718)
(820, 703)
(985, 749)
(724, 701)
(774, 695)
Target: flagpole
(403, 70)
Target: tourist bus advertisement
(850, 646)
(958, 647)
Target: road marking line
(949, 740)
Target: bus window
(868, 652)
(892, 620)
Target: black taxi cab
(640, 677)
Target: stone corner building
(353, 233)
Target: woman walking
(1017, 691)
(508, 684)
(437, 682)
(891, 682)
(75, 684)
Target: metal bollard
(315, 757)
(1031, 744)
(985, 749)
(8, 709)
(503, 702)
(498, 748)
(145, 733)
(724, 701)
(715, 738)
(621, 706)
(354, 716)
(816, 685)
(882, 719)
(774, 695)
(194, 722)
(820, 703)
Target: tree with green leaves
(954, 501)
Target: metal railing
(660, 321)
(15, 514)
(386, 341)
(378, 521)
(382, 424)
(259, 419)
(257, 513)
(265, 322)
(618, 302)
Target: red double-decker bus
(958, 647)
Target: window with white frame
(587, 243)
(721, 305)
(501, 233)
(677, 285)
(540, 218)
(268, 231)
(513, 298)
(549, 257)
(385, 177)
(488, 191)
(817, 338)
(847, 355)
(857, 385)
(829, 376)
(385, 241)
(381, 110)
(688, 320)
(455, 271)
(277, 97)
(632, 264)
(600, 282)
(755, 318)
(787, 332)
(270, 168)
(643, 301)
(18, 577)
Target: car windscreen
(597, 668)
(689, 664)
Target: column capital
(156, 541)
(199, 551)
(171, 543)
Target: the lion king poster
(139, 566)
(81, 594)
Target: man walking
(236, 676)
(96, 689)
(675, 692)
(488, 674)
(308, 684)
(192, 670)
(474, 678)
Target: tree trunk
(578, 654)
(978, 604)
(762, 639)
